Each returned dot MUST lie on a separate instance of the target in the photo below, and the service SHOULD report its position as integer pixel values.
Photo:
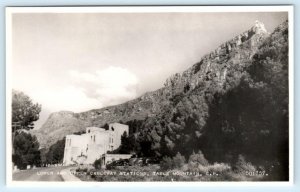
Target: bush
(169, 163)
(219, 168)
(55, 153)
(178, 160)
(26, 152)
(242, 166)
(197, 162)
(98, 163)
(166, 163)
(198, 159)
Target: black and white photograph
(196, 94)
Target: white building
(86, 148)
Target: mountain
(232, 105)
(60, 124)
(168, 113)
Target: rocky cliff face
(213, 69)
(214, 66)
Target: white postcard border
(145, 9)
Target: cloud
(109, 86)
(69, 98)
(84, 91)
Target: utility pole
(15, 126)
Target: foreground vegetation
(196, 168)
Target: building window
(112, 140)
(94, 138)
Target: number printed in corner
(255, 173)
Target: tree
(196, 159)
(127, 143)
(178, 160)
(169, 163)
(106, 126)
(26, 150)
(251, 119)
(98, 163)
(24, 112)
(56, 152)
(166, 163)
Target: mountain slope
(59, 124)
(220, 70)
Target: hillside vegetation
(231, 105)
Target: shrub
(242, 166)
(169, 163)
(56, 152)
(178, 160)
(166, 163)
(198, 159)
(219, 167)
(98, 163)
(81, 169)
(197, 162)
(26, 150)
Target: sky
(82, 61)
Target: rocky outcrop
(229, 59)
(214, 66)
